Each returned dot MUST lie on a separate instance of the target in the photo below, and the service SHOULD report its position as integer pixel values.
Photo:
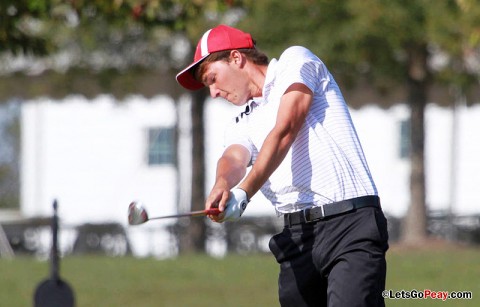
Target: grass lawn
(232, 281)
(437, 269)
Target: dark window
(161, 146)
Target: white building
(95, 157)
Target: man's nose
(214, 92)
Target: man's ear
(237, 58)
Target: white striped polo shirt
(326, 162)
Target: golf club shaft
(213, 211)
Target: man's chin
(246, 101)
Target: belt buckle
(308, 218)
(323, 212)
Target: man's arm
(231, 168)
(294, 107)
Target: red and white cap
(219, 38)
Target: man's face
(227, 80)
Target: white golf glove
(236, 205)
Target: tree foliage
(102, 34)
(374, 39)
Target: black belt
(321, 212)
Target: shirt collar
(269, 78)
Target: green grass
(233, 281)
(436, 269)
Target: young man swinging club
(297, 135)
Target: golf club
(137, 214)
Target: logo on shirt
(248, 110)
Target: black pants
(339, 261)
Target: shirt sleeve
(299, 65)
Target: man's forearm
(232, 166)
(228, 174)
(291, 116)
(274, 150)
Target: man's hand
(235, 206)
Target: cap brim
(186, 79)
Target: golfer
(297, 135)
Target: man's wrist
(246, 193)
(236, 205)
(244, 189)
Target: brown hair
(252, 54)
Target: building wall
(91, 157)
(449, 182)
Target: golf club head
(137, 214)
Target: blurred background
(91, 116)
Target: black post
(54, 291)
(54, 268)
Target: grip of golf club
(212, 211)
